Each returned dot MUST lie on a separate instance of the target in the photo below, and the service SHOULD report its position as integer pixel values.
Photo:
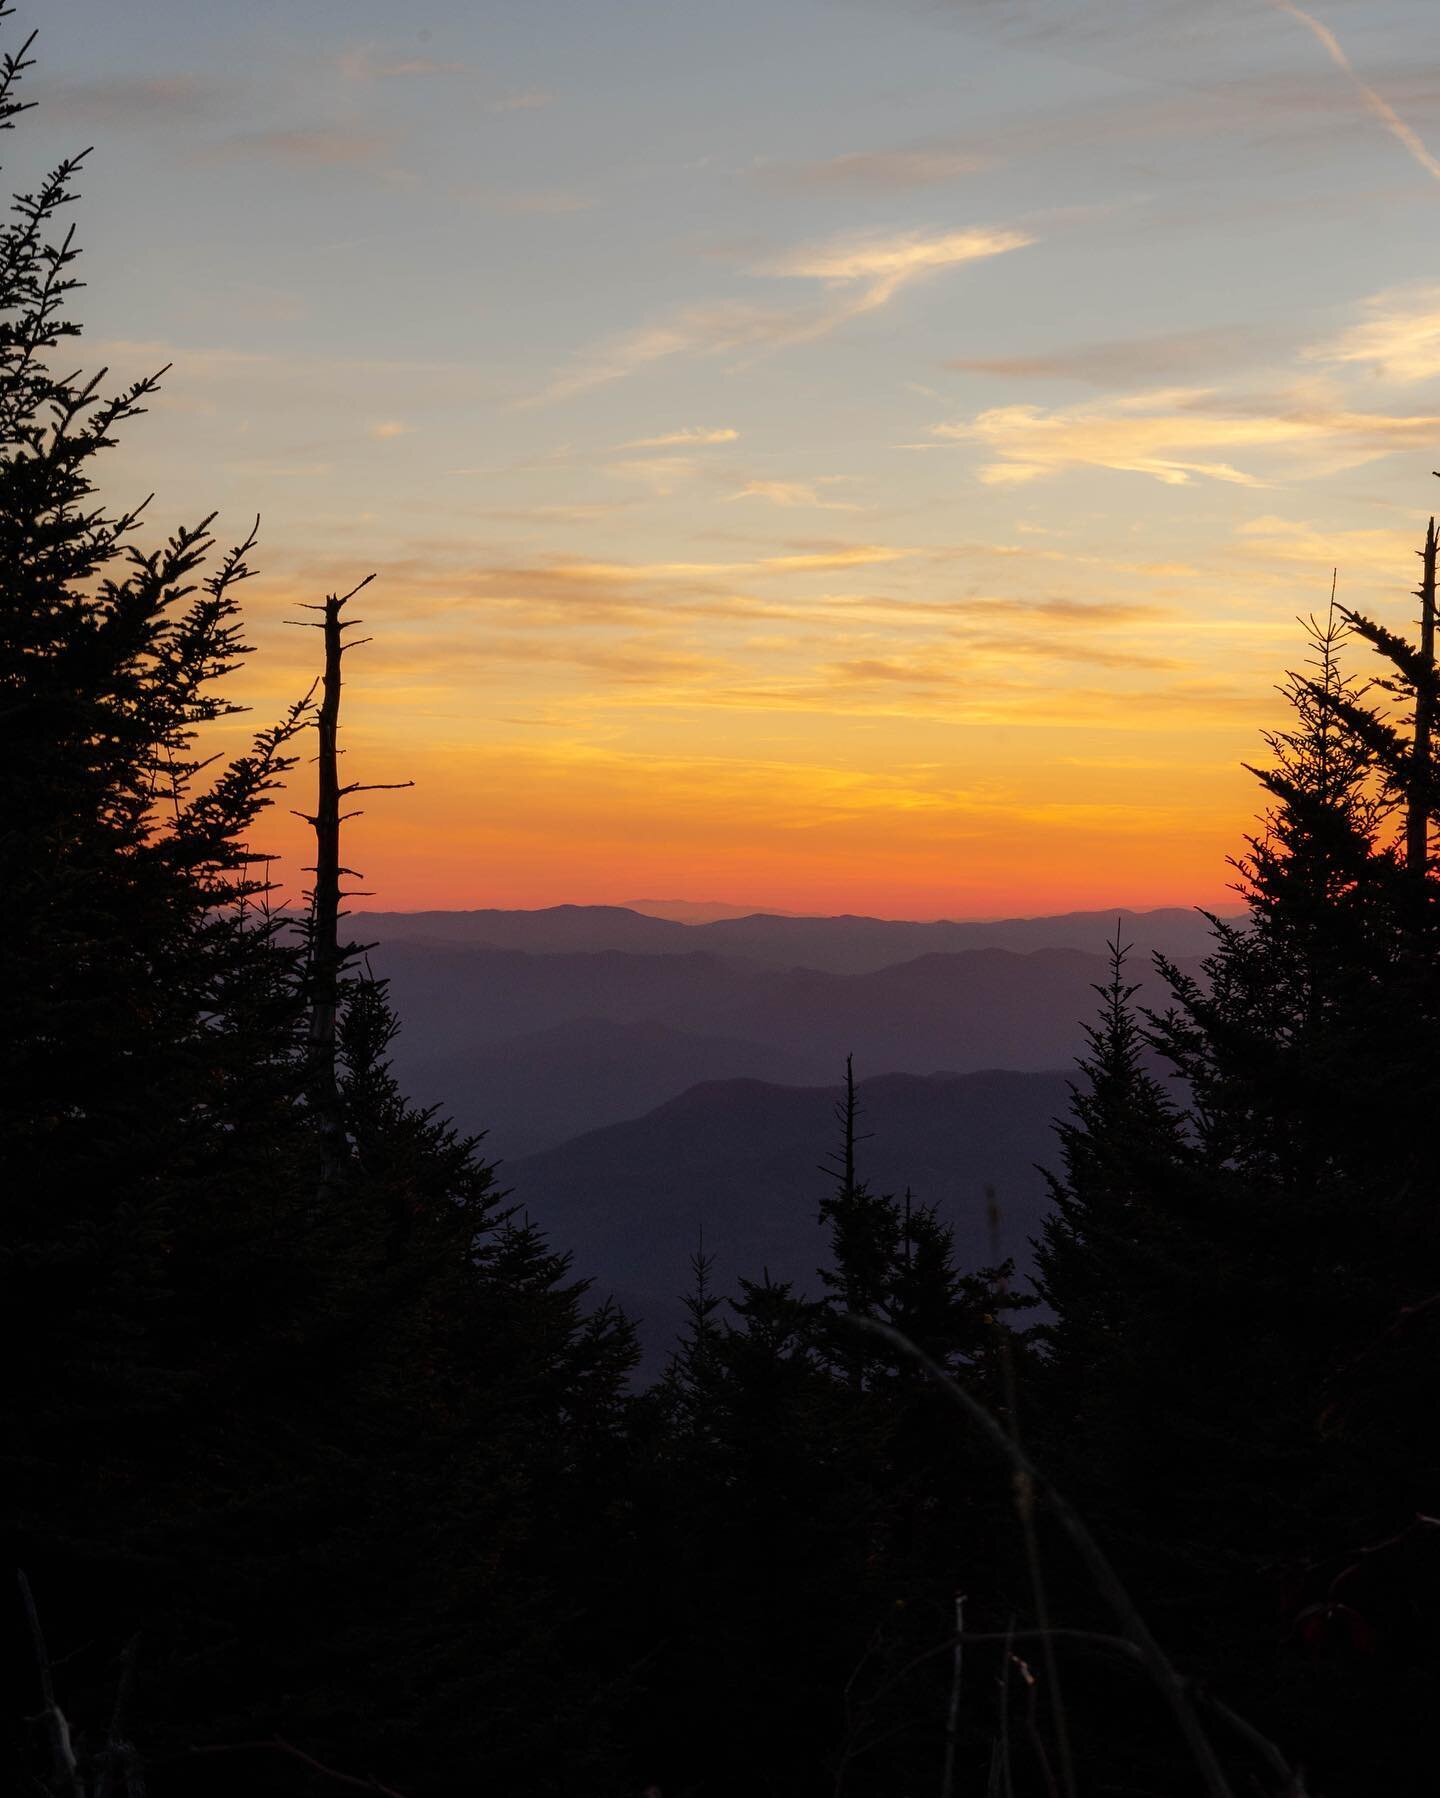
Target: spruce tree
(1120, 1149)
(143, 1071)
(1257, 1243)
(312, 1412)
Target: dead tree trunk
(328, 959)
(325, 959)
(1419, 799)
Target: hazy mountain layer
(741, 1162)
(837, 945)
(536, 1048)
(532, 1092)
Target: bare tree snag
(328, 959)
(1419, 800)
(325, 910)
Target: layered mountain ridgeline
(538, 1047)
(735, 1164)
(839, 945)
(534, 1091)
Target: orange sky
(893, 494)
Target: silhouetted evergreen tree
(1257, 1246)
(149, 1007)
(347, 1452)
(813, 1512)
(1120, 1150)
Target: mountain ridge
(739, 1162)
(844, 943)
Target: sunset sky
(837, 455)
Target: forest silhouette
(325, 1469)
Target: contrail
(1381, 107)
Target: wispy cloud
(125, 100)
(877, 268)
(1173, 436)
(368, 62)
(386, 428)
(792, 493)
(1123, 361)
(1404, 134)
(1399, 339)
(695, 330)
(526, 99)
(661, 474)
(1298, 541)
(886, 171)
(824, 558)
(317, 146)
(852, 555)
(694, 435)
(863, 272)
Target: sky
(841, 455)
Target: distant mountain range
(695, 911)
(739, 1162)
(537, 1047)
(844, 945)
(644, 1079)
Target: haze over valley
(646, 1083)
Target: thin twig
(278, 1745)
(1097, 1563)
(57, 1728)
(952, 1716)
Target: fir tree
(145, 1060)
(1119, 1152)
(1219, 1273)
(335, 1432)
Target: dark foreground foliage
(324, 1471)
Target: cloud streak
(527, 99)
(1380, 107)
(791, 493)
(319, 146)
(882, 267)
(368, 63)
(864, 272)
(692, 436)
(1399, 341)
(1173, 437)
(125, 100)
(694, 331)
(1122, 361)
(883, 171)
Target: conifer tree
(1119, 1151)
(893, 1260)
(1404, 753)
(332, 1430)
(143, 1068)
(1284, 1227)
(694, 1369)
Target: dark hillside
(739, 1160)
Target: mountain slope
(536, 1091)
(740, 1161)
(981, 1008)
